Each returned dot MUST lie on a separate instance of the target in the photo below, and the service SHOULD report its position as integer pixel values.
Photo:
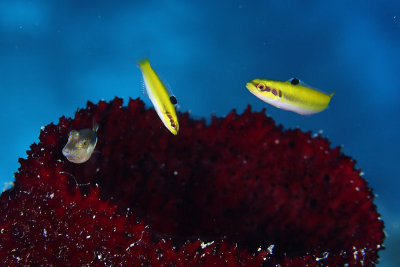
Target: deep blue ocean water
(56, 55)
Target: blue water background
(56, 55)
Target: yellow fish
(290, 95)
(163, 103)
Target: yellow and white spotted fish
(159, 96)
(290, 95)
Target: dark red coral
(237, 192)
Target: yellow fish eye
(262, 87)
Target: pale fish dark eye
(85, 143)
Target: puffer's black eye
(173, 100)
(294, 81)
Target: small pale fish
(159, 96)
(80, 145)
(290, 95)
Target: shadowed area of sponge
(239, 192)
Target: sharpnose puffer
(290, 95)
(159, 97)
(80, 145)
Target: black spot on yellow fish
(294, 81)
(173, 100)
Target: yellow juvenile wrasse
(80, 145)
(159, 97)
(290, 95)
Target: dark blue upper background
(56, 55)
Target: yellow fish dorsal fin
(145, 63)
(297, 81)
(294, 81)
(171, 94)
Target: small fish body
(80, 145)
(290, 95)
(160, 97)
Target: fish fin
(171, 94)
(297, 81)
(168, 87)
(95, 125)
(144, 92)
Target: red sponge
(238, 192)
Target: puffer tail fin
(95, 126)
